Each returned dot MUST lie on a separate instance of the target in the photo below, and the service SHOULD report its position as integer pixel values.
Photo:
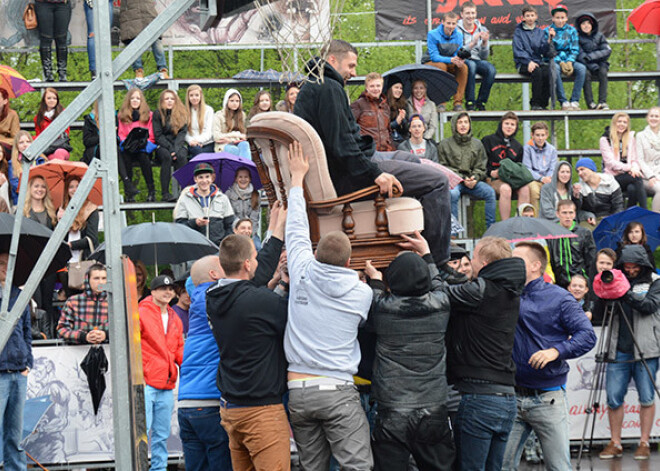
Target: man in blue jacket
(551, 329)
(15, 363)
(205, 442)
(443, 44)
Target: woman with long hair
(648, 155)
(262, 103)
(399, 120)
(635, 234)
(290, 96)
(135, 113)
(49, 109)
(619, 151)
(229, 126)
(244, 198)
(200, 126)
(170, 123)
(141, 280)
(10, 123)
(419, 103)
(22, 141)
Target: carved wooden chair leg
(347, 223)
(381, 217)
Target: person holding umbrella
(204, 207)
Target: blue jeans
(13, 387)
(579, 74)
(242, 149)
(483, 424)
(196, 150)
(205, 442)
(481, 191)
(547, 415)
(618, 377)
(487, 72)
(159, 404)
(159, 56)
(91, 49)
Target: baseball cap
(559, 7)
(203, 167)
(160, 281)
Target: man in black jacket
(408, 382)
(484, 314)
(248, 322)
(353, 161)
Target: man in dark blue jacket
(15, 363)
(552, 328)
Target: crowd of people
(359, 365)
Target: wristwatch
(283, 284)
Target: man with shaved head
(327, 303)
(205, 442)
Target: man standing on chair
(353, 160)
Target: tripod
(602, 350)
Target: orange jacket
(161, 352)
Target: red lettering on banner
(535, 2)
(411, 20)
(516, 2)
(445, 6)
(499, 20)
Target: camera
(611, 284)
(607, 276)
(464, 53)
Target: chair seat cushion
(404, 216)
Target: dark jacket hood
(635, 254)
(91, 294)
(461, 139)
(315, 63)
(586, 15)
(408, 275)
(225, 293)
(508, 273)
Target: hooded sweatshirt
(565, 41)
(463, 154)
(499, 148)
(594, 49)
(573, 256)
(327, 304)
(604, 200)
(220, 123)
(83, 313)
(550, 196)
(442, 47)
(541, 161)
(479, 52)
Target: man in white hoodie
(327, 303)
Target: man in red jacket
(161, 335)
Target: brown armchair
(374, 226)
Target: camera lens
(607, 276)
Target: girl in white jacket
(200, 127)
(648, 155)
(229, 126)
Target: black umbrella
(518, 229)
(95, 365)
(440, 85)
(161, 243)
(34, 237)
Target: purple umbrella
(225, 166)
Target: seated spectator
(200, 126)
(204, 207)
(540, 157)
(648, 155)
(398, 110)
(134, 114)
(49, 109)
(10, 123)
(262, 104)
(526, 210)
(531, 54)
(579, 288)
(84, 317)
(635, 234)
(594, 52)
(229, 126)
(443, 44)
(564, 38)
(372, 113)
(599, 194)
(415, 346)
(475, 40)
(161, 341)
(289, 101)
(499, 146)
(170, 122)
(466, 156)
(422, 148)
(419, 103)
(633, 353)
(559, 189)
(619, 151)
(244, 198)
(571, 256)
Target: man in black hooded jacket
(352, 158)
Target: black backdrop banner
(407, 20)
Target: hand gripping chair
(372, 226)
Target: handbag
(78, 270)
(30, 17)
(136, 141)
(62, 142)
(514, 173)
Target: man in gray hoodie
(327, 303)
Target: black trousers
(633, 188)
(142, 158)
(166, 163)
(53, 19)
(422, 433)
(601, 75)
(540, 84)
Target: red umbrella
(646, 18)
(57, 172)
(15, 84)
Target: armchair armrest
(347, 198)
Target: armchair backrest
(272, 132)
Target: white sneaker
(566, 106)
(575, 105)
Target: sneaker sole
(610, 457)
(641, 458)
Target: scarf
(135, 115)
(418, 104)
(243, 194)
(49, 114)
(653, 138)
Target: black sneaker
(451, 276)
(537, 108)
(151, 197)
(480, 107)
(168, 197)
(470, 106)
